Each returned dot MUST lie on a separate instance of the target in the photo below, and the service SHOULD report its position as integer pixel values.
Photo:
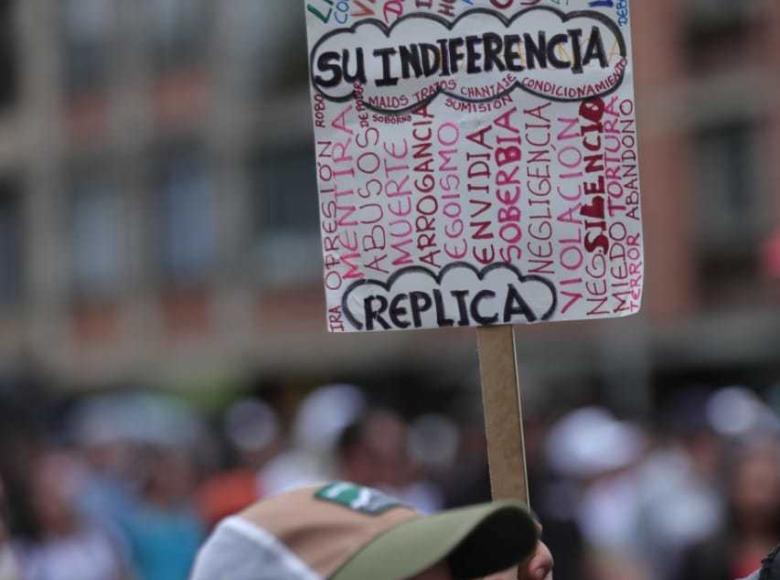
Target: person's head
(251, 427)
(770, 567)
(55, 482)
(343, 531)
(755, 488)
(168, 476)
(3, 514)
(372, 451)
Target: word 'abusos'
(473, 54)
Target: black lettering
(473, 56)
(492, 45)
(516, 305)
(456, 55)
(512, 56)
(460, 296)
(359, 76)
(420, 302)
(375, 314)
(410, 58)
(476, 314)
(445, 61)
(535, 53)
(397, 311)
(441, 320)
(555, 42)
(576, 35)
(387, 79)
(595, 49)
(328, 62)
(431, 59)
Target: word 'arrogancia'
(475, 54)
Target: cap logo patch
(358, 498)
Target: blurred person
(374, 452)
(753, 524)
(8, 568)
(111, 429)
(737, 412)
(770, 567)
(63, 545)
(164, 530)
(599, 455)
(252, 432)
(554, 498)
(555, 503)
(680, 504)
(107, 494)
(343, 531)
(321, 418)
(433, 441)
(470, 482)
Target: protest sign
(476, 161)
(477, 166)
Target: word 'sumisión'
(471, 54)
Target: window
(188, 214)
(10, 244)
(284, 199)
(265, 43)
(729, 189)
(714, 12)
(178, 32)
(732, 211)
(8, 70)
(97, 228)
(87, 30)
(719, 33)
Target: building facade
(156, 161)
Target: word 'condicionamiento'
(470, 54)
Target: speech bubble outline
(387, 31)
(438, 278)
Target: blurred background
(161, 367)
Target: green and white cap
(343, 531)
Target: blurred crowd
(125, 486)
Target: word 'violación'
(471, 54)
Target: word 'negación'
(475, 54)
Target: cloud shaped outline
(450, 25)
(438, 277)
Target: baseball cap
(343, 531)
(770, 569)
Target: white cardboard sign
(476, 161)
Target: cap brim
(475, 541)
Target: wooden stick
(502, 401)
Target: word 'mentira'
(471, 54)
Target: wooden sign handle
(502, 400)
